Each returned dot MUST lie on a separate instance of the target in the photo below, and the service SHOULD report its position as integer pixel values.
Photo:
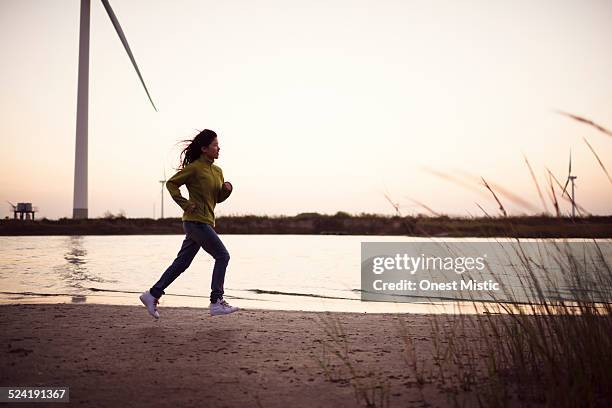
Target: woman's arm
(226, 190)
(175, 182)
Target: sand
(119, 356)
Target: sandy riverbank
(119, 356)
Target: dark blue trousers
(197, 235)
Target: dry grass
(603, 167)
(546, 351)
(549, 351)
(339, 365)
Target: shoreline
(286, 304)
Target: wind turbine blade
(570, 164)
(115, 22)
(565, 186)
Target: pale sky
(319, 105)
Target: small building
(25, 211)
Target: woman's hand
(226, 190)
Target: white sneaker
(150, 303)
(221, 307)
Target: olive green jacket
(204, 182)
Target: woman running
(206, 188)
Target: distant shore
(338, 224)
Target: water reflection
(75, 272)
(76, 252)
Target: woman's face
(212, 151)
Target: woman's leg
(208, 239)
(188, 251)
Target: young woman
(206, 188)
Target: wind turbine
(80, 205)
(163, 183)
(571, 178)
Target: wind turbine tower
(163, 184)
(80, 202)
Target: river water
(284, 272)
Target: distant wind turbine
(163, 183)
(80, 202)
(571, 178)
